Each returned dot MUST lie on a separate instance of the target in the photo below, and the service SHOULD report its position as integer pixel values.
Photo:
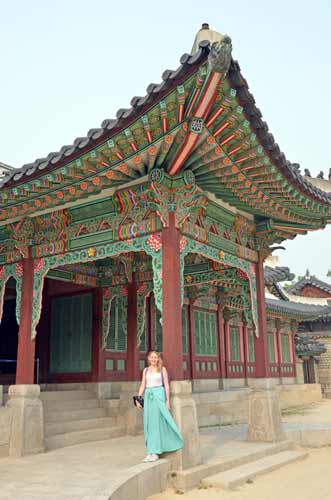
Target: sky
(65, 66)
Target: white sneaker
(154, 457)
(148, 458)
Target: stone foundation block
(27, 426)
(132, 417)
(233, 383)
(264, 417)
(184, 411)
(103, 390)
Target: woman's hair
(159, 362)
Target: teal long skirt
(160, 429)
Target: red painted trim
(184, 152)
(7, 379)
(69, 377)
(63, 288)
(70, 293)
(205, 103)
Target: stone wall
(5, 426)
(296, 395)
(324, 367)
(214, 406)
(222, 407)
(231, 406)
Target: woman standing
(160, 429)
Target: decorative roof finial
(307, 273)
(220, 55)
(205, 34)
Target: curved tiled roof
(155, 92)
(277, 274)
(307, 345)
(277, 290)
(297, 310)
(170, 79)
(312, 281)
(290, 170)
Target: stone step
(112, 406)
(58, 405)
(66, 395)
(237, 476)
(79, 437)
(70, 415)
(234, 455)
(54, 428)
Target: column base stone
(133, 417)
(184, 411)
(264, 417)
(27, 428)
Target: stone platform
(112, 469)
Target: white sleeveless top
(153, 379)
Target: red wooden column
(98, 360)
(261, 342)
(133, 371)
(171, 301)
(26, 345)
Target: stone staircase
(77, 416)
(232, 478)
(237, 463)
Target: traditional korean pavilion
(151, 233)
(306, 304)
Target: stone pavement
(90, 471)
(75, 472)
